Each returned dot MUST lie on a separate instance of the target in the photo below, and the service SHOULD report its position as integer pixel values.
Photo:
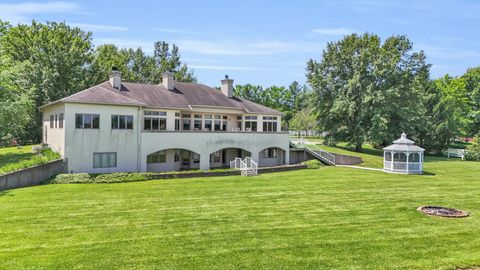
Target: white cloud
(244, 47)
(333, 31)
(209, 67)
(20, 13)
(99, 27)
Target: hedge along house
(403, 157)
(122, 127)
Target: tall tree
(364, 90)
(16, 106)
(472, 84)
(304, 120)
(59, 56)
(169, 60)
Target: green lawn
(11, 156)
(14, 158)
(331, 218)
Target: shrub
(121, 177)
(473, 150)
(313, 164)
(72, 178)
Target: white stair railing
(235, 164)
(248, 166)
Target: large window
(269, 153)
(105, 160)
(270, 123)
(52, 118)
(87, 121)
(60, 120)
(122, 122)
(197, 122)
(250, 123)
(157, 157)
(153, 120)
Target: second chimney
(116, 79)
(227, 87)
(168, 80)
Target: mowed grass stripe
(336, 218)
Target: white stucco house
(126, 127)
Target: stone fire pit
(442, 211)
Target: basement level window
(105, 160)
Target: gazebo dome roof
(403, 144)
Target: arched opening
(222, 157)
(414, 158)
(172, 160)
(388, 156)
(272, 156)
(400, 157)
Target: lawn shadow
(14, 157)
(368, 151)
(428, 173)
(5, 193)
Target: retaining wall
(32, 176)
(346, 159)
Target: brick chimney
(168, 80)
(116, 78)
(227, 87)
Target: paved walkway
(358, 167)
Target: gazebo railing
(402, 166)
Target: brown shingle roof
(157, 96)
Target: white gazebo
(403, 157)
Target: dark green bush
(313, 164)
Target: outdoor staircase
(248, 166)
(323, 156)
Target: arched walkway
(272, 156)
(172, 159)
(222, 157)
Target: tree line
(368, 91)
(40, 63)
(361, 90)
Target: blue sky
(266, 42)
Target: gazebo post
(408, 167)
(391, 164)
(384, 154)
(421, 162)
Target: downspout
(139, 139)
